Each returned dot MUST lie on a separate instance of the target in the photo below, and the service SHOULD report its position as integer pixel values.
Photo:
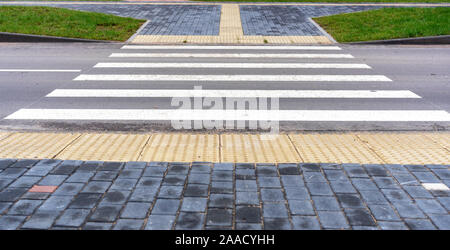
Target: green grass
(336, 1)
(387, 23)
(66, 23)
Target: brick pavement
(162, 195)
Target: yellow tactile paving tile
(35, 145)
(442, 139)
(230, 20)
(3, 135)
(333, 148)
(181, 148)
(257, 148)
(406, 148)
(107, 147)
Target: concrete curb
(322, 30)
(26, 38)
(429, 40)
(137, 32)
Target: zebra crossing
(127, 83)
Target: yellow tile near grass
(257, 148)
(406, 148)
(181, 148)
(105, 147)
(35, 145)
(333, 148)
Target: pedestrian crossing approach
(312, 83)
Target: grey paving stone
(117, 197)
(407, 209)
(53, 180)
(223, 166)
(4, 206)
(333, 220)
(271, 195)
(25, 182)
(245, 174)
(134, 165)
(41, 170)
(111, 166)
(417, 192)
(364, 184)
(305, 223)
(373, 197)
(41, 220)
(246, 185)
(90, 166)
(11, 222)
(222, 187)
(442, 221)
(166, 206)
(431, 207)
(68, 189)
(153, 182)
(146, 194)
(5, 182)
(178, 170)
(86, 200)
(155, 171)
(28, 163)
(359, 217)
(248, 214)
(330, 166)
(97, 226)
(350, 200)
(96, 187)
(292, 181)
(314, 177)
(222, 175)
(266, 171)
(396, 168)
(269, 182)
(391, 225)
(277, 224)
(135, 210)
(442, 173)
(416, 224)
(335, 175)
(199, 178)
(55, 203)
(35, 196)
(416, 168)
(221, 200)
(24, 207)
(219, 217)
(174, 180)
(342, 187)
(376, 170)
(247, 198)
(73, 217)
(445, 201)
(12, 173)
(319, 188)
(406, 179)
(190, 221)
(355, 171)
(288, 169)
(160, 222)
(201, 168)
(385, 182)
(394, 195)
(196, 190)
(248, 226)
(5, 163)
(130, 174)
(12, 194)
(326, 203)
(274, 210)
(124, 184)
(80, 177)
(128, 224)
(158, 164)
(426, 177)
(194, 204)
(364, 228)
(301, 207)
(105, 213)
(297, 193)
(105, 175)
(170, 192)
(310, 167)
(383, 212)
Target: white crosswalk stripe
(255, 59)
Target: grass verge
(51, 21)
(335, 1)
(387, 23)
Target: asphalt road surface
(109, 87)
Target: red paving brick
(43, 189)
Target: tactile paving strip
(333, 148)
(107, 147)
(181, 148)
(406, 148)
(34, 145)
(257, 148)
(442, 139)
